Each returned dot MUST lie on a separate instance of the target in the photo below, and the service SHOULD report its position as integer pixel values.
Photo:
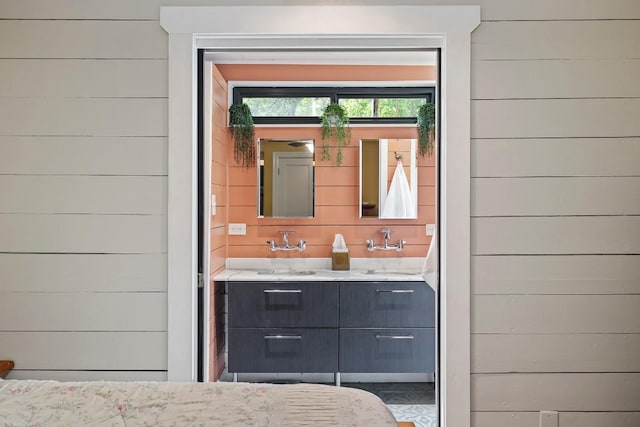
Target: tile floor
(407, 401)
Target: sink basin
(286, 272)
(390, 273)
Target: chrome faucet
(386, 246)
(273, 246)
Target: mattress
(97, 403)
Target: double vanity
(323, 321)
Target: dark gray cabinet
(386, 305)
(283, 350)
(351, 327)
(387, 350)
(387, 327)
(283, 304)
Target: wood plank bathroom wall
(555, 89)
(217, 232)
(337, 187)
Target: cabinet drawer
(387, 350)
(283, 304)
(386, 305)
(283, 350)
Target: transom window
(304, 105)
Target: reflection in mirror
(388, 178)
(286, 177)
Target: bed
(98, 403)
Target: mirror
(388, 178)
(285, 178)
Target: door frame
(259, 28)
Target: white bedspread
(52, 403)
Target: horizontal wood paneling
(83, 116)
(83, 273)
(598, 39)
(505, 419)
(317, 234)
(83, 194)
(83, 155)
(323, 236)
(83, 78)
(85, 350)
(555, 314)
(336, 204)
(553, 118)
(337, 196)
(555, 157)
(566, 419)
(555, 196)
(328, 72)
(47, 311)
(604, 78)
(557, 274)
(83, 39)
(562, 392)
(150, 9)
(83, 233)
(599, 419)
(556, 235)
(88, 375)
(496, 353)
(324, 251)
(335, 214)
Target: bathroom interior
(285, 303)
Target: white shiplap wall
(556, 215)
(83, 184)
(555, 199)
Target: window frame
(334, 93)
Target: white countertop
(317, 275)
(278, 268)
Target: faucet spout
(273, 246)
(386, 245)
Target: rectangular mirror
(286, 178)
(388, 178)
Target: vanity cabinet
(283, 326)
(387, 327)
(329, 327)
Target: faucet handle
(371, 245)
(387, 233)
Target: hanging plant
(426, 128)
(242, 130)
(335, 125)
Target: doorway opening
(327, 27)
(404, 85)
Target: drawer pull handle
(283, 337)
(283, 291)
(394, 337)
(395, 291)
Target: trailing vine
(335, 125)
(426, 128)
(243, 132)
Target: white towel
(399, 203)
(430, 266)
